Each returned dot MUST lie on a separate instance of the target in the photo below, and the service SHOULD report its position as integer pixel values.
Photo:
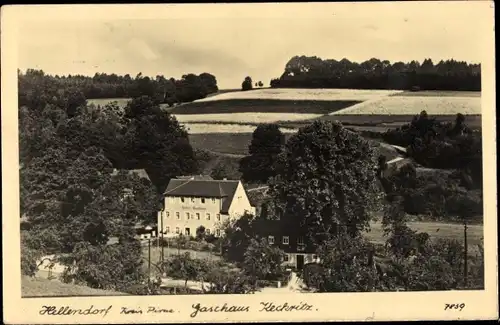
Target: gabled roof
(197, 177)
(222, 189)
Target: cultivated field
(440, 93)
(411, 105)
(304, 94)
(224, 122)
(256, 117)
(223, 128)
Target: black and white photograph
(273, 153)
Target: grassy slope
(446, 231)
(237, 143)
(37, 287)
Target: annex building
(193, 201)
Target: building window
(286, 240)
(167, 230)
(198, 216)
(286, 258)
(213, 200)
(188, 232)
(207, 231)
(178, 215)
(218, 217)
(208, 216)
(187, 215)
(270, 239)
(217, 232)
(315, 257)
(182, 199)
(300, 240)
(202, 200)
(192, 199)
(177, 230)
(167, 214)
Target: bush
(438, 197)
(108, 267)
(347, 266)
(188, 243)
(28, 261)
(436, 144)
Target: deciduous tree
(326, 182)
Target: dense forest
(72, 201)
(163, 90)
(313, 72)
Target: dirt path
(258, 188)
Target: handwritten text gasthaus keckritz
(264, 307)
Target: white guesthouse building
(193, 201)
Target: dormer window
(300, 240)
(270, 239)
(286, 240)
(202, 200)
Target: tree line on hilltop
(161, 89)
(313, 72)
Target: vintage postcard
(296, 162)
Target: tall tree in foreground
(266, 145)
(158, 142)
(326, 182)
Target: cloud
(232, 47)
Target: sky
(233, 41)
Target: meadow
(436, 230)
(237, 143)
(39, 287)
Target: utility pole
(149, 260)
(465, 254)
(162, 239)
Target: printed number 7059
(454, 306)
